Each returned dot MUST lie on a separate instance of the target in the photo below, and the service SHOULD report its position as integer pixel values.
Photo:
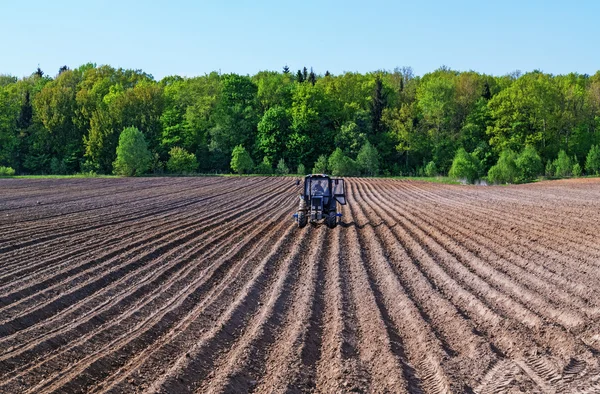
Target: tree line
(377, 123)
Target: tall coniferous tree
(312, 78)
(378, 103)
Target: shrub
(342, 165)
(57, 166)
(368, 159)
(563, 165)
(592, 162)
(301, 169)
(282, 168)
(320, 166)
(505, 170)
(529, 164)
(133, 156)
(576, 170)
(6, 171)
(241, 162)
(264, 167)
(431, 169)
(550, 170)
(465, 166)
(181, 161)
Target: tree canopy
(386, 122)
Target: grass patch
(433, 179)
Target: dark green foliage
(286, 69)
(133, 156)
(465, 166)
(549, 171)
(378, 104)
(241, 162)
(505, 170)
(592, 162)
(312, 77)
(181, 161)
(58, 167)
(26, 114)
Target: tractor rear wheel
(331, 219)
(302, 218)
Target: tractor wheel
(331, 219)
(302, 218)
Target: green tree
(264, 167)
(273, 132)
(241, 162)
(133, 156)
(282, 168)
(505, 170)
(529, 164)
(341, 165)
(236, 116)
(465, 166)
(592, 162)
(431, 169)
(320, 166)
(550, 170)
(301, 169)
(368, 160)
(6, 171)
(563, 165)
(181, 161)
(577, 170)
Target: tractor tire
(331, 219)
(302, 218)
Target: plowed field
(205, 285)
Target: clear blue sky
(190, 38)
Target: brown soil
(179, 285)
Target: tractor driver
(318, 189)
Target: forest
(390, 123)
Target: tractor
(319, 200)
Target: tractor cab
(319, 200)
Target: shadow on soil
(361, 226)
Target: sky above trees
(189, 38)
